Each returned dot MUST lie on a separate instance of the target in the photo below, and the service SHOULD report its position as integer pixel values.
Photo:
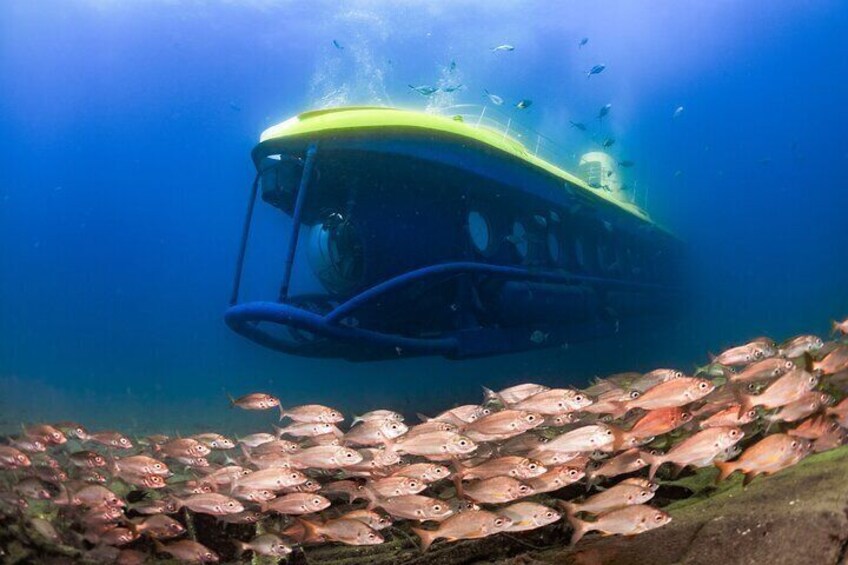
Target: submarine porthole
(579, 253)
(519, 239)
(480, 231)
(336, 253)
(554, 250)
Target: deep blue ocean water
(125, 138)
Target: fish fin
(427, 537)
(263, 506)
(457, 478)
(725, 469)
(356, 420)
(423, 417)
(834, 327)
(676, 470)
(282, 412)
(809, 363)
(310, 529)
(160, 547)
(569, 508)
(748, 478)
(580, 528)
(232, 400)
(370, 496)
(619, 437)
(241, 547)
(278, 431)
(489, 395)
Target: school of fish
(470, 472)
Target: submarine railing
(244, 318)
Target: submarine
(408, 233)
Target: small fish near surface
(503, 47)
(583, 41)
(579, 125)
(523, 104)
(424, 89)
(493, 98)
(608, 142)
(604, 111)
(596, 70)
(337, 45)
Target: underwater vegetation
(525, 458)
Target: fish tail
(489, 395)
(427, 537)
(569, 508)
(809, 362)
(310, 530)
(725, 469)
(746, 402)
(241, 547)
(457, 478)
(656, 462)
(423, 417)
(580, 528)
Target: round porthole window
(518, 238)
(579, 256)
(553, 248)
(480, 231)
(336, 253)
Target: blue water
(126, 130)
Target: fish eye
(609, 432)
(549, 514)
(634, 394)
(640, 461)
(678, 374)
(316, 501)
(532, 466)
(209, 556)
(531, 417)
(702, 385)
(579, 398)
(486, 411)
(371, 536)
(499, 522)
(573, 472)
(658, 517)
(437, 508)
(463, 443)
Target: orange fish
(627, 521)
(471, 524)
(834, 362)
(699, 450)
(619, 496)
(676, 392)
(767, 456)
(788, 388)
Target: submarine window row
(576, 246)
